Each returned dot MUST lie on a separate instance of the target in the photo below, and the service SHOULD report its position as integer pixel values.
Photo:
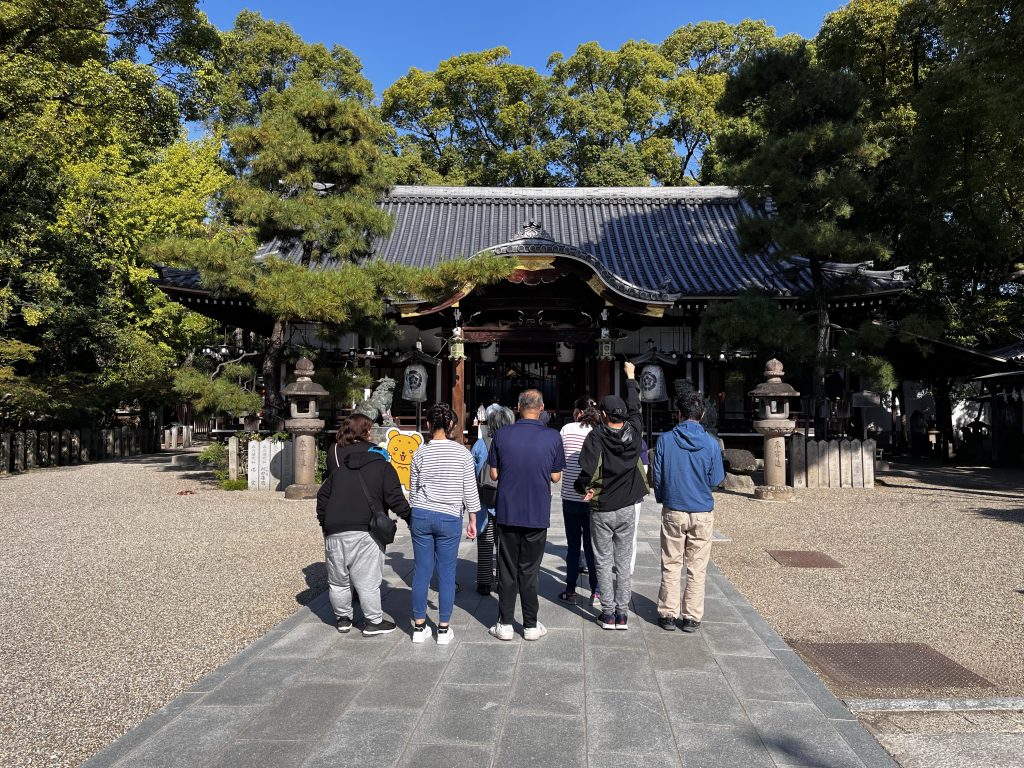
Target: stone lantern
(304, 424)
(774, 423)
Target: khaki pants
(684, 535)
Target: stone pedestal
(304, 439)
(304, 426)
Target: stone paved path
(733, 694)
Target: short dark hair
(691, 405)
(354, 429)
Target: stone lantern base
(774, 493)
(296, 491)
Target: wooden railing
(20, 451)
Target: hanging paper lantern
(565, 351)
(489, 352)
(652, 384)
(414, 383)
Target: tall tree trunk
(273, 402)
(820, 351)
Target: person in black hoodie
(354, 558)
(611, 478)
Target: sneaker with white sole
(381, 627)
(534, 633)
(420, 632)
(501, 631)
(445, 635)
(607, 621)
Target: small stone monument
(304, 424)
(774, 423)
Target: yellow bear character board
(401, 446)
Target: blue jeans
(576, 515)
(435, 539)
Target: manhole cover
(887, 665)
(803, 558)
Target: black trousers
(519, 554)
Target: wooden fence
(33, 448)
(832, 463)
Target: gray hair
(531, 400)
(498, 418)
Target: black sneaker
(584, 569)
(344, 624)
(667, 623)
(620, 621)
(381, 627)
(689, 625)
(607, 621)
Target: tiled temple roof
(647, 243)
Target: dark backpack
(488, 488)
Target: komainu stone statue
(378, 406)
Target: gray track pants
(354, 561)
(612, 534)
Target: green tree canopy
(91, 165)
(796, 138)
(477, 119)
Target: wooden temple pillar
(458, 379)
(605, 378)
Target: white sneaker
(420, 632)
(535, 633)
(501, 631)
(445, 635)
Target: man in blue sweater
(687, 466)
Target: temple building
(602, 275)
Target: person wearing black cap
(611, 479)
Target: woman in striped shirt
(442, 487)
(575, 511)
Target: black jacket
(341, 504)
(610, 459)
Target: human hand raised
(629, 368)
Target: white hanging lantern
(489, 352)
(414, 383)
(565, 351)
(652, 384)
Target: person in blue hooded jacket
(687, 467)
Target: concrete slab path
(733, 694)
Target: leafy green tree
(797, 138)
(308, 165)
(966, 174)
(608, 111)
(91, 164)
(756, 323)
(477, 120)
(703, 56)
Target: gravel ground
(119, 594)
(931, 556)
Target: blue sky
(392, 37)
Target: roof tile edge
(565, 193)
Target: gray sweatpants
(354, 561)
(612, 535)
